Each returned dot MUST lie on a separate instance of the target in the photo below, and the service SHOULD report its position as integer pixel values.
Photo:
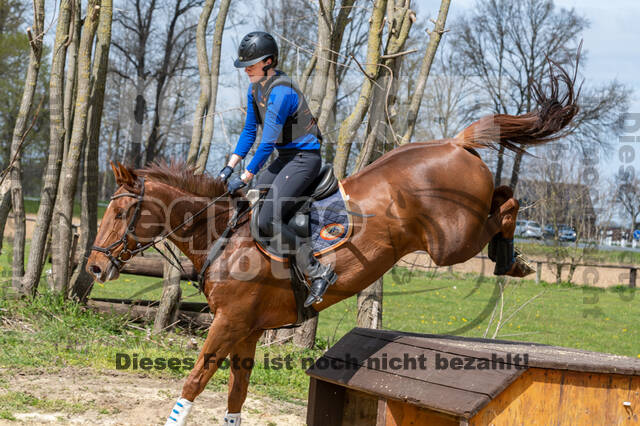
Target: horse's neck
(194, 238)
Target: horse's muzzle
(104, 273)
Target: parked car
(566, 233)
(528, 229)
(549, 231)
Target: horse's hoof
(520, 268)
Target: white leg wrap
(178, 416)
(232, 419)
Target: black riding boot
(321, 275)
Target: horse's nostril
(95, 269)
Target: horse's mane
(178, 174)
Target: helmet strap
(269, 66)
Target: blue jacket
(283, 102)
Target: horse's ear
(116, 172)
(125, 176)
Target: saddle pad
(330, 223)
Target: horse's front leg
(242, 361)
(224, 333)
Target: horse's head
(128, 226)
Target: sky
(612, 42)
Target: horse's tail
(549, 122)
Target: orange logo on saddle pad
(332, 231)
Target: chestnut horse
(436, 196)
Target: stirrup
(327, 279)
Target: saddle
(325, 185)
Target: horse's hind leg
(501, 226)
(242, 361)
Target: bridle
(119, 260)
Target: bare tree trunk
(499, 166)
(135, 150)
(135, 54)
(280, 336)
(515, 172)
(54, 162)
(319, 83)
(383, 96)
(5, 207)
(305, 335)
(351, 124)
(432, 47)
(202, 107)
(167, 312)
(72, 67)
(215, 73)
(81, 281)
(173, 50)
(19, 134)
(326, 115)
(304, 78)
(370, 306)
(64, 205)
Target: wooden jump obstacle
(448, 380)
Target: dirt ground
(118, 398)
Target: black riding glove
(234, 184)
(225, 173)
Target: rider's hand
(225, 173)
(234, 184)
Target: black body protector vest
(299, 124)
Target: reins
(119, 260)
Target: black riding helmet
(255, 47)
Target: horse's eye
(120, 215)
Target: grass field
(51, 334)
(565, 315)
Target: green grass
(51, 334)
(562, 315)
(147, 288)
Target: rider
(277, 105)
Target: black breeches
(289, 176)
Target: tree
(205, 110)
(177, 43)
(351, 124)
(81, 281)
(507, 45)
(627, 195)
(63, 214)
(19, 135)
(427, 61)
(380, 131)
(137, 26)
(56, 149)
